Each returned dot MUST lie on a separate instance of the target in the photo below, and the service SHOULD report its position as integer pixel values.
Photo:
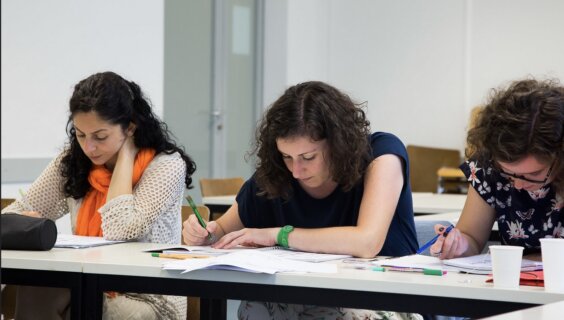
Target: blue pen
(432, 241)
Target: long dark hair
(319, 111)
(526, 118)
(121, 102)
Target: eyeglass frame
(512, 176)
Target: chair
(424, 163)
(451, 180)
(5, 202)
(220, 187)
(203, 210)
(193, 312)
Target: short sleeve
(254, 209)
(493, 188)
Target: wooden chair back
(9, 292)
(193, 303)
(220, 187)
(6, 202)
(474, 114)
(424, 163)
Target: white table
(423, 202)
(433, 203)
(123, 267)
(545, 312)
(54, 268)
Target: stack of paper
(256, 261)
(478, 264)
(274, 251)
(482, 264)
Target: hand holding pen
(191, 232)
(443, 232)
(449, 243)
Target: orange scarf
(89, 221)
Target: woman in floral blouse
(515, 172)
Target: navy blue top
(523, 217)
(338, 209)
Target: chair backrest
(6, 202)
(424, 162)
(474, 114)
(426, 231)
(193, 303)
(220, 187)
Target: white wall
(421, 65)
(48, 46)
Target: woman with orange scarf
(121, 177)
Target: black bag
(21, 232)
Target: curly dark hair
(526, 118)
(319, 111)
(121, 102)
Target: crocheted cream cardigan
(150, 214)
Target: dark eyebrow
(521, 174)
(95, 132)
(301, 154)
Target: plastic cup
(553, 263)
(506, 265)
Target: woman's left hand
(128, 148)
(248, 237)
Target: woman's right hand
(450, 246)
(194, 234)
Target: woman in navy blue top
(323, 183)
(515, 172)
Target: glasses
(512, 176)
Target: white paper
(414, 261)
(250, 261)
(274, 251)
(77, 242)
(482, 264)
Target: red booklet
(529, 278)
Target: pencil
(178, 256)
(197, 213)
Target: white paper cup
(553, 263)
(506, 265)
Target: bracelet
(282, 238)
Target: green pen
(200, 219)
(380, 269)
(433, 272)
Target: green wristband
(282, 238)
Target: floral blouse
(523, 217)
